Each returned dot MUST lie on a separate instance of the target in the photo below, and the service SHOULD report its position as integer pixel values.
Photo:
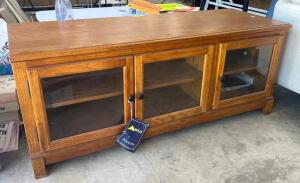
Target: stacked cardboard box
(9, 115)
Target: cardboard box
(9, 136)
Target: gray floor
(248, 148)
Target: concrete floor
(248, 148)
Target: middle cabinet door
(172, 85)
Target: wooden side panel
(24, 98)
(274, 65)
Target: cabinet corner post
(20, 76)
(39, 168)
(267, 109)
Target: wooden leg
(39, 168)
(269, 106)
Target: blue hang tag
(132, 134)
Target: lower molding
(206, 117)
(58, 155)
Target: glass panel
(83, 102)
(172, 85)
(245, 71)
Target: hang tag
(132, 134)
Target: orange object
(145, 6)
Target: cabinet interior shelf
(239, 63)
(62, 122)
(78, 90)
(257, 86)
(171, 99)
(241, 91)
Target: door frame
(234, 45)
(35, 75)
(140, 60)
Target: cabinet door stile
(219, 73)
(207, 70)
(213, 76)
(139, 86)
(24, 98)
(128, 87)
(39, 109)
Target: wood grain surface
(51, 39)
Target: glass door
(81, 101)
(172, 82)
(243, 70)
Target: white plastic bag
(5, 66)
(4, 58)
